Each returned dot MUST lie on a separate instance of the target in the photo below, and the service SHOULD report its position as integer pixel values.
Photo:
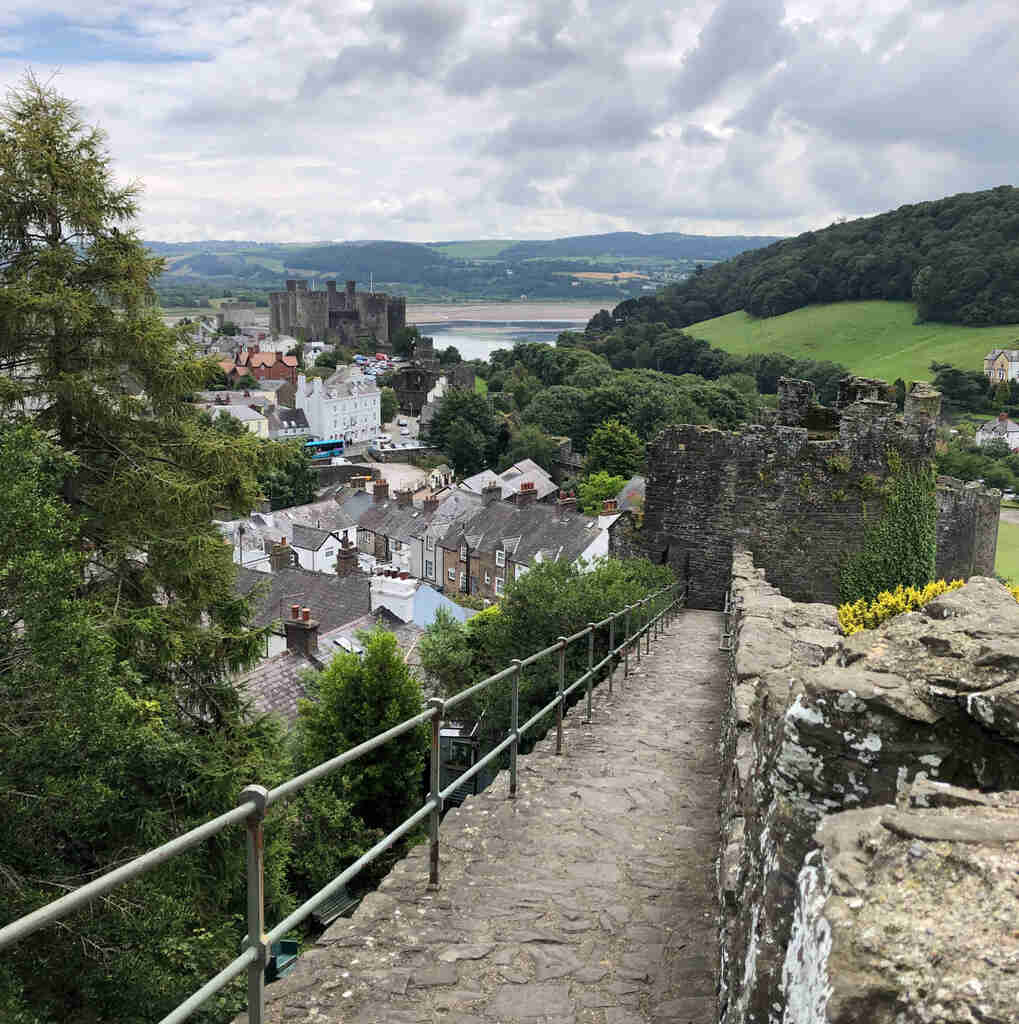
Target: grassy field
(875, 339)
(482, 249)
(480, 386)
(1006, 562)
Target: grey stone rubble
(590, 898)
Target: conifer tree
(122, 725)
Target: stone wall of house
(801, 493)
(821, 725)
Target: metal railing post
(515, 729)
(590, 666)
(640, 629)
(256, 901)
(650, 620)
(559, 704)
(433, 819)
(612, 650)
(626, 642)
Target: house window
(429, 571)
(1001, 375)
(518, 571)
(396, 545)
(330, 552)
(463, 582)
(463, 552)
(429, 543)
(499, 584)
(452, 576)
(488, 578)
(500, 559)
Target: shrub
(864, 614)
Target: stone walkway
(590, 899)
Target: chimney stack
(567, 503)
(608, 507)
(346, 558)
(380, 492)
(490, 493)
(281, 556)
(527, 493)
(405, 499)
(302, 633)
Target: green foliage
(465, 428)
(405, 341)
(529, 442)
(864, 614)
(962, 390)
(390, 405)
(327, 360)
(288, 477)
(899, 549)
(615, 450)
(594, 489)
(839, 463)
(354, 698)
(450, 356)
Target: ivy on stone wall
(900, 548)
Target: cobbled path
(590, 899)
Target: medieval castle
(344, 318)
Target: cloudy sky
(442, 119)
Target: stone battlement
(800, 494)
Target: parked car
(401, 422)
(405, 431)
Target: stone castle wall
(800, 494)
(339, 317)
(821, 727)
(968, 517)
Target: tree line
(957, 258)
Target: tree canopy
(957, 258)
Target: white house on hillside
(347, 405)
(1002, 364)
(1000, 429)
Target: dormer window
(463, 552)
(500, 558)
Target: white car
(405, 431)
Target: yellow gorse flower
(864, 614)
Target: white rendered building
(348, 405)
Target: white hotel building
(347, 405)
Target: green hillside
(873, 338)
(1007, 562)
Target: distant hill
(957, 258)
(669, 245)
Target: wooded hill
(956, 258)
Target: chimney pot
(295, 611)
(306, 614)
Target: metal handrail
(653, 614)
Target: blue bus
(324, 449)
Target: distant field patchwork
(876, 339)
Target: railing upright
(626, 642)
(612, 650)
(590, 666)
(256, 901)
(560, 702)
(438, 704)
(515, 728)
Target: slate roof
(333, 600)
(309, 538)
(277, 684)
(292, 419)
(532, 533)
(1011, 353)
(525, 471)
(392, 520)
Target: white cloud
(425, 119)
